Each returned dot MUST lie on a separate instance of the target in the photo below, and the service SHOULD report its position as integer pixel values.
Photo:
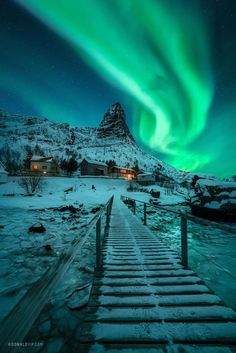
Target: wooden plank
(215, 332)
(145, 296)
(161, 300)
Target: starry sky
(170, 63)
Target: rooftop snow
(92, 161)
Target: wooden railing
(183, 223)
(99, 235)
(17, 324)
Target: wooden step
(140, 347)
(158, 314)
(144, 262)
(146, 268)
(144, 281)
(138, 266)
(160, 300)
(165, 332)
(137, 290)
(145, 265)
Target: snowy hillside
(111, 140)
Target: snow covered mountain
(111, 140)
(114, 124)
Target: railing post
(145, 214)
(98, 243)
(134, 206)
(184, 241)
(107, 215)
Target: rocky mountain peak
(114, 124)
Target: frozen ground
(212, 252)
(24, 258)
(23, 255)
(52, 194)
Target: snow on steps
(165, 332)
(123, 315)
(143, 300)
(156, 300)
(144, 348)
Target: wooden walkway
(143, 300)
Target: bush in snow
(132, 186)
(31, 183)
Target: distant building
(93, 167)
(44, 166)
(146, 179)
(162, 179)
(3, 174)
(121, 172)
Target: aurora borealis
(162, 57)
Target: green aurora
(159, 54)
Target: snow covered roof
(36, 158)
(93, 161)
(41, 159)
(120, 167)
(146, 174)
(2, 169)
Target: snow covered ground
(212, 252)
(24, 257)
(53, 192)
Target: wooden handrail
(188, 216)
(17, 324)
(183, 225)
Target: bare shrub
(132, 186)
(31, 183)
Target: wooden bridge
(144, 300)
(144, 297)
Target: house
(93, 167)
(146, 179)
(121, 172)
(43, 165)
(164, 180)
(3, 174)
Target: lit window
(35, 166)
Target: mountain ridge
(112, 139)
(114, 123)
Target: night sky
(171, 64)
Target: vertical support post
(134, 206)
(98, 243)
(145, 213)
(107, 215)
(184, 241)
